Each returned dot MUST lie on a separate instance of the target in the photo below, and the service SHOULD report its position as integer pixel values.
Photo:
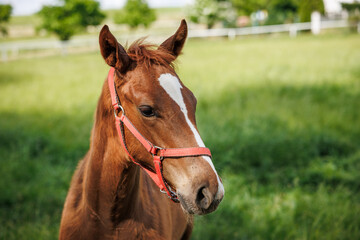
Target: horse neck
(111, 180)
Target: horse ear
(175, 43)
(113, 53)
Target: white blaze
(172, 86)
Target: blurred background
(278, 89)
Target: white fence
(12, 50)
(291, 28)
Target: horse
(114, 192)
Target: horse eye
(147, 111)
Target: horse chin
(190, 207)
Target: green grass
(280, 115)
(25, 20)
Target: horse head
(162, 109)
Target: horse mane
(146, 53)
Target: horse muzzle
(202, 202)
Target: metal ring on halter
(157, 148)
(173, 195)
(121, 108)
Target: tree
(210, 12)
(71, 17)
(351, 7)
(353, 10)
(246, 7)
(136, 13)
(282, 11)
(306, 7)
(5, 13)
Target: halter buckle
(172, 195)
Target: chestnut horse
(111, 196)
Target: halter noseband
(158, 153)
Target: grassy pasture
(280, 115)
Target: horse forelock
(149, 54)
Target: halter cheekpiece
(157, 153)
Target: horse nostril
(204, 198)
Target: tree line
(226, 12)
(73, 16)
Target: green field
(280, 115)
